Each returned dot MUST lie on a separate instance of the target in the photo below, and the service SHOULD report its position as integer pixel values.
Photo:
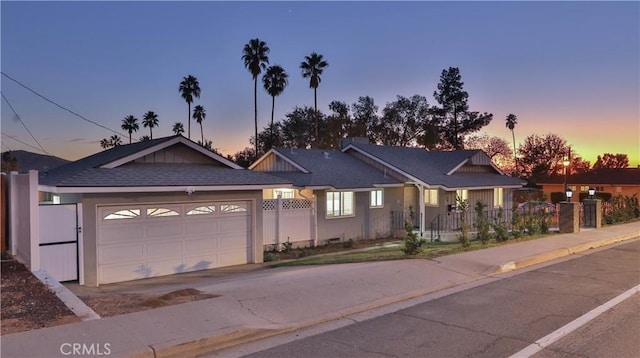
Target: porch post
(421, 204)
(34, 221)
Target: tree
(9, 162)
(496, 148)
(245, 157)
(542, 156)
(255, 57)
(610, 160)
(104, 143)
(402, 121)
(274, 81)
(199, 114)
(335, 126)
(312, 68)
(297, 128)
(511, 122)
(189, 88)
(365, 118)
(178, 128)
(150, 119)
(115, 140)
(130, 124)
(454, 115)
(144, 138)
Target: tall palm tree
(274, 81)
(199, 114)
(150, 119)
(312, 68)
(178, 128)
(189, 88)
(130, 124)
(115, 140)
(255, 57)
(104, 143)
(511, 122)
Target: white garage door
(139, 241)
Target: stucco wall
(90, 203)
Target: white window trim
(371, 199)
(341, 204)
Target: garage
(138, 241)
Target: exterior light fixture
(592, 192)
(569, 194)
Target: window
(284, 193)
(123, 214)
(202, 210)
(232, 208)
(340, 203)
(157, 212)
(376, 199)
(498, 197)
(431, 197)
(462, 194)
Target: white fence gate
(287, 220)
(59, 240)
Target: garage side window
(157, 212)
(202, 210)
(123, 214)
(232, 208)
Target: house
(615, 181)
(365, 190)
(146, 209)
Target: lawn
(382, 250)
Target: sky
(568, 68)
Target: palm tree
(115, 140)
(199, 114)
(511, 122)
(312, 68)
(255, 57)
(275, 81)
(150, 119)
(144, 138)
(104, 143)
(189, 88)
(178, 128)
(130, 124)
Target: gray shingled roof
(431, 167)
(334, 169)
(86, 172)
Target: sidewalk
(261, 303)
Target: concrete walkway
(257, 303)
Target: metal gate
(59, 241)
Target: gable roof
(34, 161)
(329, 169)
(436, 168)
(107, 169)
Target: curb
(70, 300)
(556, 254)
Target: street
(497, 319)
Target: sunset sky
(568, 68)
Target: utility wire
(24, 125)
(59, 106)
(19, 141)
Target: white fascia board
(388, 185)
(458, 166)
(483, 187)
(376, 159)
(166, 144)
(156, 189)
(283, 157)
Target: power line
(19, 141)
(24, 125)
(59, 106)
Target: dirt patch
(26, 303)
(113, 304)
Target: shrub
(499, 227)
(516, 222)
(287, 246)
(621, 209)
(463, 206)
(482, 223)
(412, 244)
(348, 244)
(270, 256)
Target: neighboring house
(622, 181)
(23, 161)
(364, 187)
(154, 208)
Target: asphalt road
(499, 319)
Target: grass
(430, 250)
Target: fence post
(278, 220)
(569, 217)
